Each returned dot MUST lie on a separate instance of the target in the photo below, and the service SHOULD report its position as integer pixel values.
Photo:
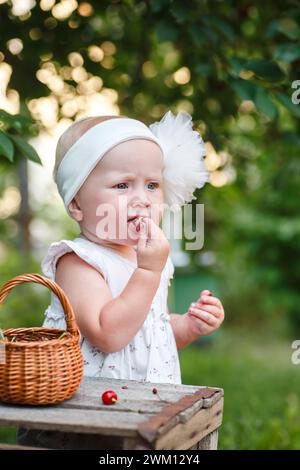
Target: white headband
(183, 151)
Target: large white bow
(184, 150)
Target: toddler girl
(116, 176)
(110, 174)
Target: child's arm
(111, 323)
(203, 318)
(108, 323)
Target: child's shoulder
(68, 255)
(70, 265)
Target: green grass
(261, 388)
(8, 435)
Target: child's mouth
(135, 220)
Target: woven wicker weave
(42, 365)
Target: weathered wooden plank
(210, 401)
(132, 393)
(130, 399)
(94, 385)
(91, 403)
(174, 413)
(184, 435)
(109, 422)
(90, 391)
(135, 398)
(153, 406)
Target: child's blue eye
(156, 184)
(118, 185)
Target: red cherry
(109, 397)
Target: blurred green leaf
(264, 103)
(272, 29)
(291, 137)
(287, 52)
(158, 5)
(287, 102)
(25, 149)
(204, 69)
(244, 88)
(166, 31)
(236, 65)
(21, 124)
(211, 35)
(223, 27)
(181, 11)
(196, 35)
(289, 28)
(6, 118)
(6, 147)
(265, 69)
(286, 26)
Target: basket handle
(39, 279)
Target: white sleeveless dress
(152, 355)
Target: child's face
(128, 180)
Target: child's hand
(152, 248)
(206, 314)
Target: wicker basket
(41, 366)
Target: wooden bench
(188, 418)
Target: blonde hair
(72, 134)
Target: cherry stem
(161, 399)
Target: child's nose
(140, 198)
